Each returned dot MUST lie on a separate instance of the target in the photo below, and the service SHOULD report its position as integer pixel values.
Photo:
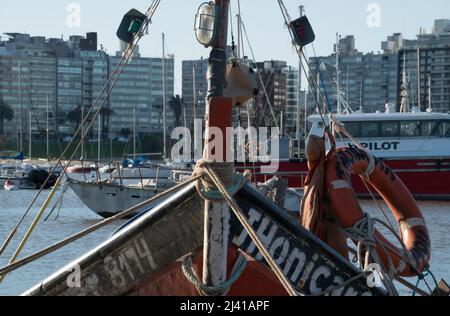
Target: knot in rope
(363, 234)
(219, 290)
(206, 186)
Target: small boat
(78, 169)
(9, 186)
(13, 155)
(108, 198)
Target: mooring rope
(251, 232)
(219, 290)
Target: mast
(297, 125)
(134, 133)
(338, 84)
(99, 137)
(306, 114)
(194, 92)
(429, 94)
(47, 130)
(419, 102)
(29, 135)
(82, 132)
(20, 113)
(164, 94)
(218, 114)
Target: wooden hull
(143, 258)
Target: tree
(6, 114)
(106, 114)
(125, 132)
(74, 116)
(176, 104)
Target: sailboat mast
(194, 91)
(164, 93)
(99, 137)
(82, 132)
(134, 133)
(429, 94)
(299, 98)
(419, 102)
(20, 113)
(47, 130)
(338, 84)
(29, 135)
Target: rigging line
(125, 58)
(258, 74)
(241, 39)
(299, 54)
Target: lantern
(207, 24)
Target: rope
(251, 232)
(219, 290)
(101, 97)
(363, 233)
(105, 222)
(206, 186)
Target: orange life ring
(347, 161)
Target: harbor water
(74, 216)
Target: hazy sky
(263, 19)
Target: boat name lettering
(291, 258)
(378, 146)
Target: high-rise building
(194, 88)
(366, 81)
(62, 76)
(426, 60)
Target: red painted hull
(255, 280)
(427, 179)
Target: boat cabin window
(353, 128)
(447, 128)
(370, 129)
(390, 129)
(431, 128)
(410, 128)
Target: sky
(370, 21)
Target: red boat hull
(256, 280)
(427, 179)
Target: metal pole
(194, 91)
(134, 133)
(99, 137)
(306, 114)
(419, 101)
(20, 113)
(219, 115)
(29, 135)
(82, 132)
(164, 93)
(338, 83)
(47, 131)
(299, 89)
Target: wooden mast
(219, 116)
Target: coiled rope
(219, 290)
(363, 234)
(205, 168)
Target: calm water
(74, 216)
